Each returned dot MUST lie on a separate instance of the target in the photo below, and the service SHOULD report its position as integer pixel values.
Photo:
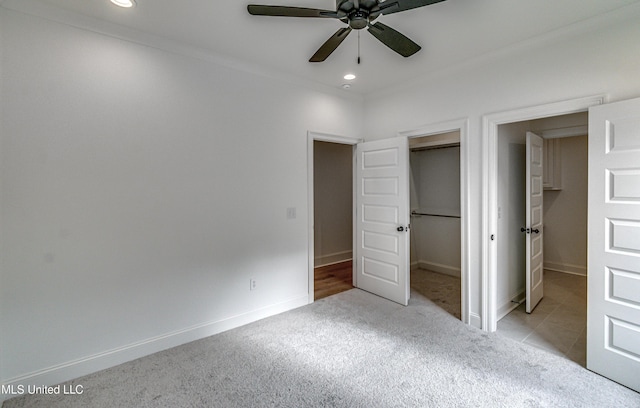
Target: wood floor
(331, 279)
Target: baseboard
(475, 320)
(78, 368)
(440, 268)
(507, 306)
(334, 258)
(566, 268)
(505, 309)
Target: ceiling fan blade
(330, 45)
(285, 11)
(396, 6)
(393, 39)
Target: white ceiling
(449, 33)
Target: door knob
(524, 230)
(400, 228)
(537, 231)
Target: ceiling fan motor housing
(359, 19)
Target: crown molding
(72, 19)
(629, 12)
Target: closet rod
(434, 215)
(434, 147)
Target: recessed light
(124, 3)
(349, 77)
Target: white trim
(102, 27)
(322, 137)
(461, 125)
(475, 320)
(332, 259)
(590, 24)
(565, 132)
(566, 268)
(439, 268)
(510, 304)
(490, 125)
(100, 361)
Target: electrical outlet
(252, 284)
(291, 213)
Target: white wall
(600, 56)
(141, 190)
(565, 211)
(436, 182)
(511, 261)
(333, 202)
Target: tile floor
(559, 323)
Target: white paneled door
(534, 229)
(613, 311)
(382, 218)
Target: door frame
(490, 123)
(324, 137)
(457, 125)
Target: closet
(565, 210)
(435, 219)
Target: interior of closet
(558, 323)
(435, 219)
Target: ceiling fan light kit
(357, 15)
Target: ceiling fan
(357, 14)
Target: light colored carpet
(353, 349)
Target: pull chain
(358, 47)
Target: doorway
(490, 237)
(558, 324)
(333, 221)
(437, 134)
(435, 219)
(333, 258)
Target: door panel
(382, 206)
(613, 311)
(535, 233)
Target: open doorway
(327, 254)
(435, 219)
(558, 323)
(443, 134)
(333, 221)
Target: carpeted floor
(353, 349)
